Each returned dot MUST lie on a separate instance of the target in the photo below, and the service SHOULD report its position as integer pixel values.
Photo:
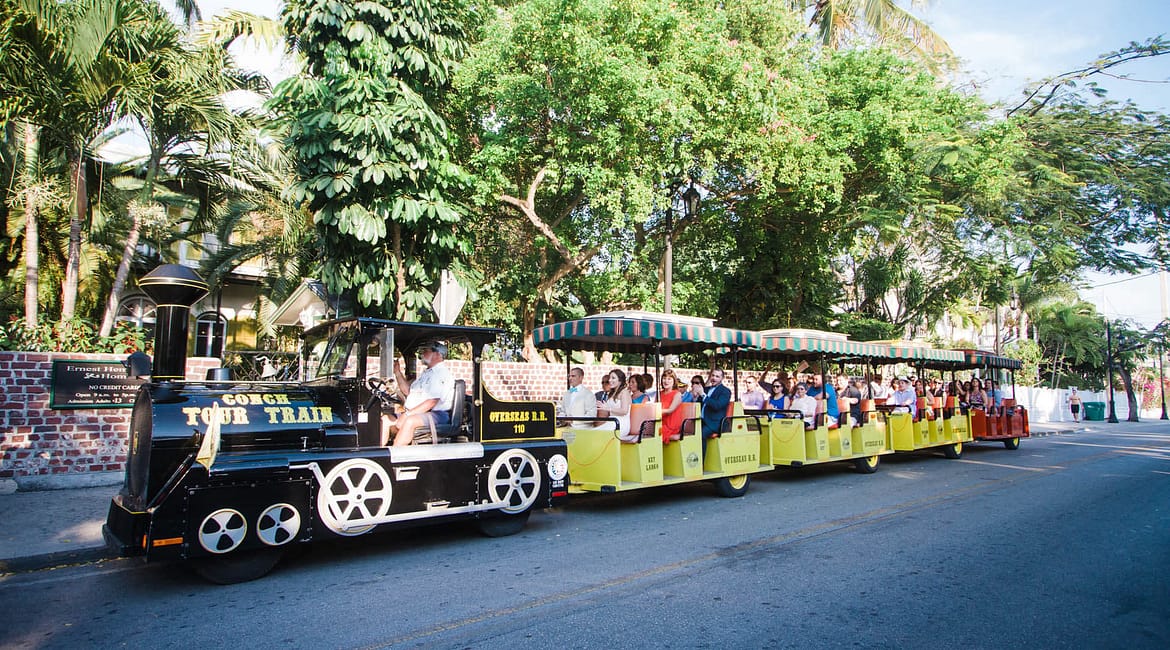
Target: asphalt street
(1063, 543)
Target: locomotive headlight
(558, 467)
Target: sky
(1005, 44)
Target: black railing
(262, 365)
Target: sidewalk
(51, 528)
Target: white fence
(1051, 405)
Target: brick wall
(43, 448)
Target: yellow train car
(601, 459)
(787, 440)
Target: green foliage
(1031, 355)
(72, 336)
(372, 161)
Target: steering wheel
(379, 390)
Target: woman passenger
(976, 398)
(617, 404)
(672, 399)
(638, 390)
(779, 396)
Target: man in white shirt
(578, 402)
(429, 398)
(905, 396)
(805, 404)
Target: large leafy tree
(372, 161)
(582, 117)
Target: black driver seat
(444, 432)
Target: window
(210, 334)
(139, 311)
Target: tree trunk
(32, 261)
(1130, 396)
(131, 245)
(76, 219)
(399, 275)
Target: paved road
(1063, 543)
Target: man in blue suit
(714, 405)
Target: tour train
(227, 475)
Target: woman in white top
(617, 404)
(805, 404)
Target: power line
(1129, 279)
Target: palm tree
(841, 22)
(176, 99)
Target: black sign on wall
(91, 385)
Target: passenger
(714, 405)
(429, 398)
(779, 397)
(638, 390)
(805, 404)
(822, 391)
(753, 398)
(617, 404)
(994, 397)
(877, 390)
(905, 396)
(577, 402)
(976, 397)
(697, 392)
(851, 393)
(672, 414)
(648, 387)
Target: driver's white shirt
(435, 382)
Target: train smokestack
(174, 288)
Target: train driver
(429, 398)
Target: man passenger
(714, 405)
(821, 391)
(578, 402)
(429, 398)
(905, 396)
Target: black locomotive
(227, 474)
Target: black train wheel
(234, 568)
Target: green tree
(372, 160)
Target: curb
(55, 559)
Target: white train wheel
(223, 531)
(278, 524)
(357, 489)
(514, 479)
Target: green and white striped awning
(919, 353)
(804, 343)
(981, 359)
(643, 332)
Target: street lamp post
(690, 200)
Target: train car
(787, 442)
(600, 461)
(935, 424)
(1006, 423)
(227, 475)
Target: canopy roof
(920, 353)
(981, 359)
(642, 332)
(802, 343)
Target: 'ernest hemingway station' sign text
(91, 385)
